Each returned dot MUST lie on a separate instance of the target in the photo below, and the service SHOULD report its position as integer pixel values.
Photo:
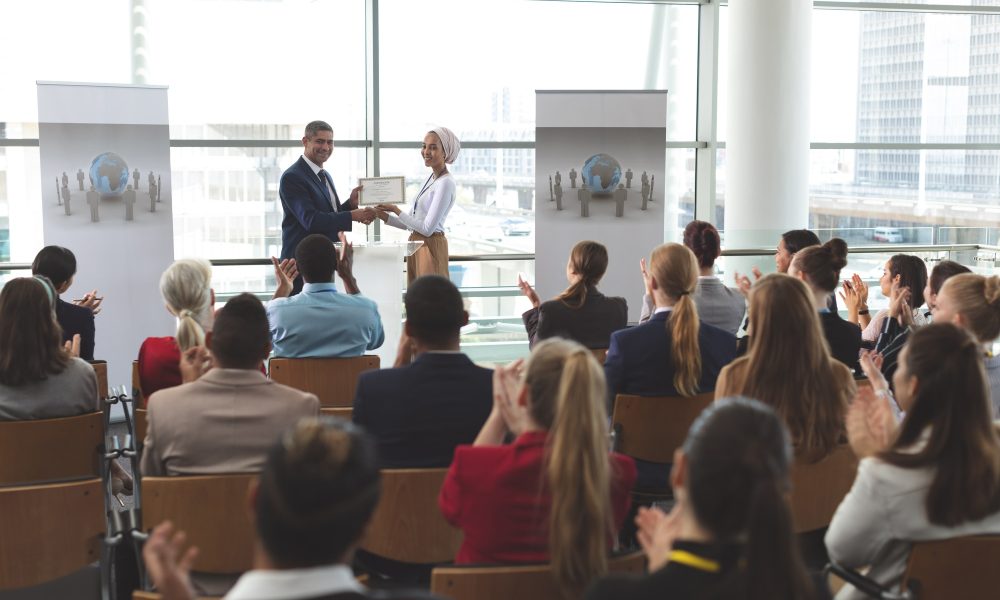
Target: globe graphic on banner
(109, 172)
(602, 173)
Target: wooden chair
(963, 567)
(651, 427)
(333, 380)
(530, 582)
(407, 525)
(101, 370)
(344, 413)
(818, 488)
(141, 424)
(211, 510)
(137, 398)
(51, 449)
(600, 354)
(49, 531)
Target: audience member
(935, 476)
(76, 318)
(788, 367)
(903, 271)
(729, 535)
(39, 377)
(555, 494)
(790, 243)
(897, 327)
(311, 505)
(224, 421)
(581, 312)
(973, 302)
(819, 267)
(717, 304)
(320, 321)
(419, 412)
(187, 292)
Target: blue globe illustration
(109, 172)
(602, 173)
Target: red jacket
(496, 495)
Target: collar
(233, 377)
(825, 311)
(532, 438)
(663, 309)
(294, 583)
(319, 287)
(315, 168)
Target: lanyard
(427, 184)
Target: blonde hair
(977, 299)
(675, 269)
(567, 390)
(788, 365)
(186, 287)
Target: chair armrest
(865, 585)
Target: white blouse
(430, 207)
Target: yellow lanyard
(686, 558)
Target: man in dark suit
(309, 198)
(420, 411)
(59, 265)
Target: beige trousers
(430, 259)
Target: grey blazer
(68, 394)
(717, 304)
(224, 422)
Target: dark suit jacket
(591, 324)
(638, 360)
(77, 319)
(844, 338)
(419, 413)
(308, 208)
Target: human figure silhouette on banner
(79, 178)
(135, 177)
(94, 200)
(152, 196)
(572, 178)
(628, 179)
(620, 196)
(129, 197)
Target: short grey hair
(315, 127)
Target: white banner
(105, 168)
(600, 161)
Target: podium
(380, 270)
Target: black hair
(797, 239)
(822, 264)
(316, 258)
(318, 489)
(434, 310)
(912, 274)
(56, 263)
(943, 271)
(241, 336)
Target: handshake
(369, 213)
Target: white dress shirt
(289, 584)
(430, 207)
(329, 180)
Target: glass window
(481, 80)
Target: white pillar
(767, 145)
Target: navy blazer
(591, 324)
(419, 413)
(308, 208)
(638, 360)
(77, 319)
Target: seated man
(419, 412)
(59, 265)
(312, 503)
(321, 322)
(224, 421)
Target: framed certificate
(381, 190)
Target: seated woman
(973, 302)
(819, 267)
(901, 271)
(556, 493)
(730, 533)
(186, 287)
(673, 353)
(581, 312)
(936, 475)
(788, 367)
(717, 304)
(39, 377)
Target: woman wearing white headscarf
(430, 208)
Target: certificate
(381, 190)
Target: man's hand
(363, 215)
(194, 363)
(168, 568)
(404, 352)
(285, 272)
(90, 300)
(345, 266)
(352, 203)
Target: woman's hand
(507, 382)
(388, 208)
(656, 533)
(73, 346)
(381, 214)
(528, 291)
(195, 362)
(647, 280)
(870, 423)
(168, 568)
(743, 283)
(285, 272)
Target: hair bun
(838, 249)
(991, 290)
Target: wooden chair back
(101, 370)
(51, 449)
(341, 413)
(137, 398)
(818, 488)
(529, 582)
(407, 525)
(141, 424)
(211, 510)
(49, 531)
(963, 567)
(600, 354)
(333, 380)
(652, 427)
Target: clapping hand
(899, 304)
(656, 532)
(168, 567)
(647, 280)
(528, 291)
(743, 283)
(195, 362)
(90, 300)
(506, 392)
(870, 422)
(285, 272)
(73, 346)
